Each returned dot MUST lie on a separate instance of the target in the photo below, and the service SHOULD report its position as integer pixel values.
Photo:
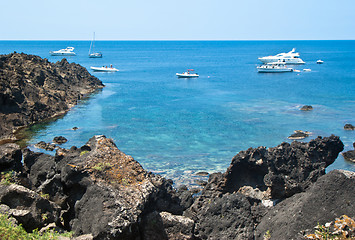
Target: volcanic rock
(350, 155)
(298, 134)
(33, 89)
(60, 140)
(330, 197)
(10, 157)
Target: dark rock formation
(98, 190)
(330, 197)
(33, 89)
(349, 126)
(350, 155)
(306, 108)
(45, 146)
(60, 140)
(10, 157)
(28, 207)
(280, 171)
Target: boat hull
(286, 61)
(181, 75)
(61, 54)
(104, 69)
(95, 55)
(274, 70)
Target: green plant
(83, 152)
(10, 231)
(7, 177)
(101, 166)
(44, 195)
(267, 235)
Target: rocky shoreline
(98, 192)
(33, 89)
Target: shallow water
(178, 127)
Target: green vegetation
(83, 153)
(9, 231)
(7, 177)
(342, 228)
(102, 166)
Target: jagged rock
(60, 140)
(330, 197)
(224, 216)
(306, 108)
(29, 208)
(283, 170)
(350, 155)
(164, 225)
(45, 146)
(10, 157)
(349, 126)
(109, 191)
(33, 89)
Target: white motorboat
(104, 69)
(69, 51)
(319, 61)
(188, 74)
(274, 67)
(289, 58)
(94, 54)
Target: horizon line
(178, 40)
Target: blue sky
(177, 19)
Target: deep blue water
(181, 126)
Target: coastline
(98, 190)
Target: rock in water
(306, 108)
(349, 126)
(60, 140)
(33, 89)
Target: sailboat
(94, 54)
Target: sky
(177, 19)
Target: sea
(181, 127)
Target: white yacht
(274, 67)
(69, 51)
(188, 74)
(289, 58)
(104, 69)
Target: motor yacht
(69, 51)
(104, 69)
(274, 67)
(320, 61)
(290, 57)
(188, 74)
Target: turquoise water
(178, 127)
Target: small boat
(307, 70)
(319, 61)
(104, 69)
(188, 74)
(94, 54)
(274, 67)
(69, 51)
(289, 58)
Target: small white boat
(307, 70)
(104, 69)
(69, 51)
(274, 67)
(319, 61)
(188, 74)
(289, 58)
(94, 54)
